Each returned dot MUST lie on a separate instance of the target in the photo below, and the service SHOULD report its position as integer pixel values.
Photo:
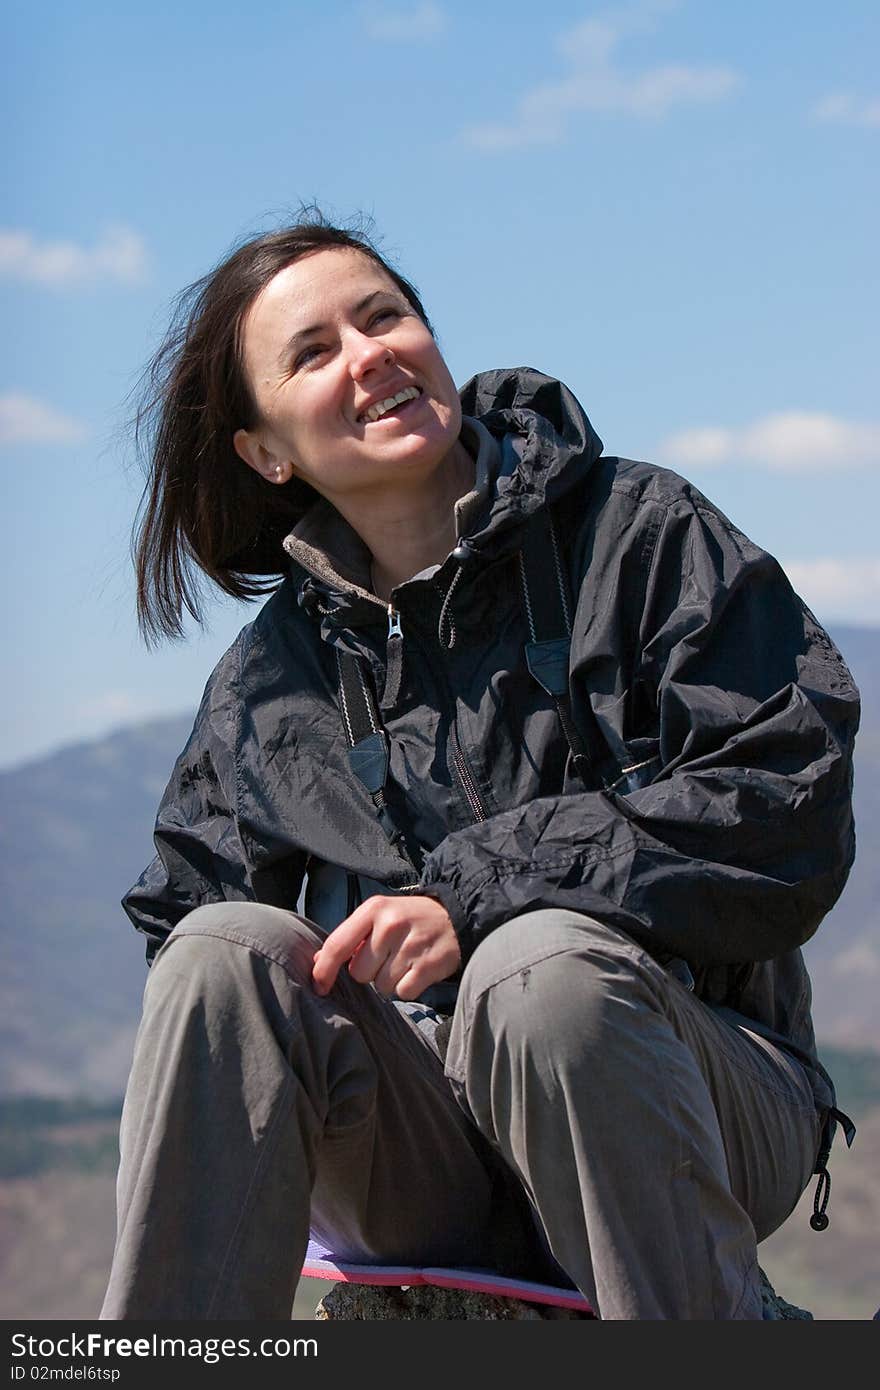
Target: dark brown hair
(203, 511)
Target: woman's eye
(387, 313)
(303, 358)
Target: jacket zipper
(393, 659)
(469, 787)
(459, 761)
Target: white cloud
(594, 81)
(794, 441)
(862, 959)
(110, 706)
(845, 108)
(838, 590)
(26, 420)
(412, 24)
(120, 255)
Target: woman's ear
(262, 460)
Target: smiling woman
(202, 513)
(562, 767)
(352, 396)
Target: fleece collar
(531, 443)
(330, 550)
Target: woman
(564, 767)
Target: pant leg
(656, 1141)
(255, 1108)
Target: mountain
(75, 833)
(844, 955)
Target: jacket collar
(330, 550)
(531, 442)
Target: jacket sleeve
(742, 838)
(200, 856)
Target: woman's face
(329, 341)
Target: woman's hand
(401, 945)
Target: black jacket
(721, 832)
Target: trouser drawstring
(820, 1220)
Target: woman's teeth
(375, 412)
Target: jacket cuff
(449, 899)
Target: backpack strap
(548, 611)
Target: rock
(416, 1302)
(776, 1308)
(365, 1302)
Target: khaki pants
(594, 1120)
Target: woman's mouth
(379, 409)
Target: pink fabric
(321, 1264)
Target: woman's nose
(365, 353)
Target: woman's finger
(411, 983)
(370, 959)
(339, 947)
(388, 977)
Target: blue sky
(671, 206)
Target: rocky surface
(775, 1308)
(368, 1302)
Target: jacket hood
(547, 444)
(541, 445)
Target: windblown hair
(204, 512)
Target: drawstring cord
(819, 1221)
(446, 622)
